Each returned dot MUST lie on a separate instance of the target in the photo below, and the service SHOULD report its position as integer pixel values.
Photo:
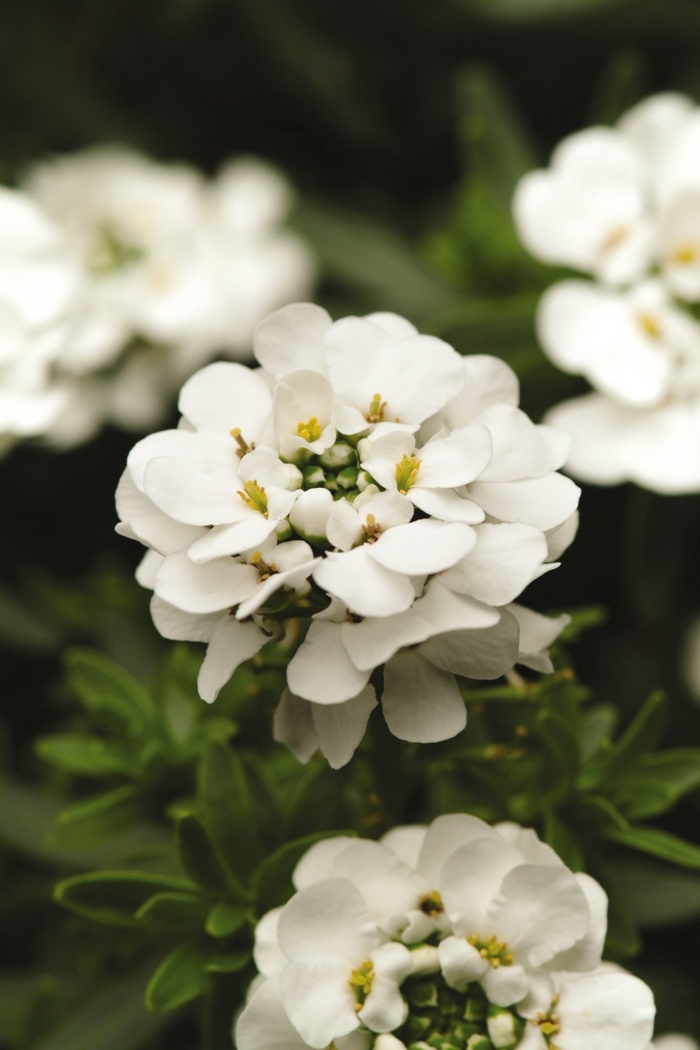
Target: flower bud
(505, 1029)
(295, 477)
(364, 478)
(309, 516)
(347, 478)
(479, 1042)
(313, 476)
(339, 456)
(426, 960)
(283, 531)
(387, 1041)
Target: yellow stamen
(361, 983)
(431, 904)
(254, 496)
(548, 1023)
(243, 446)
(407, 472)
(371, 530)
(650, 325)
(264, 569)
(376, 409)
(493, 951)
(685, 254)
(310, 431)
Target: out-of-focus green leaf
(172, 910)
(619, 87)
(540, 10)
(639, 737)
(202, 861)
(560, 838)
(232, 962)
(598, 726)
(656, 894)
(115, 1019)
(657, 781)
(92, 807)
(583, 620)
(89, 756)
(658, 843)
(562, 753)
(228, 809)
(181, 977)
(272, 880)
(597, 813)
(497, 145)
(373, 257)
(25, 1001)
(21, 629)
(113, 897)
(224, 919)
(102, 685)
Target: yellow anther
(407, 472)
(361, 982)
(431, 904)
(265, 570)
(685, 254)
(493, 951)
(254, 496)
(376, 409)
(548, 1023)
(371, 530)
(243, 446)
(310, 431)
(650, 325)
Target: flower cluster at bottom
(458, 935)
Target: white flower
(267, 502)
(264, 1025)
(608, 1009)
(674, 1041)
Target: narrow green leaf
(658, 843)
(173, 910)
(563, 841)
(272, 880)
(596, 813)
(656, 893)
(232, 962)
(640, 736)
(562, 753)
(102, 685)
(657, 781)
(85, 755)
(228, 809)
(181, 977)
(598, 726)
(202, 861)
(97, 805)
(115, 1019)
(623, 932)
(224, 919)
(21, 629)
(113, 896)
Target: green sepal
(171, 910)
(113, 897)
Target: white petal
(374, 640)
(422, 547)
(195, 493)
(340, 727)
(545, 502)
(389, 509)
(586, 953)
(559, 540)
(222, 540)
(406, 842)
(610, 1011)
(291, 579)
(471, 878)
(302, 396)
(481, 654)
(181, 444)
(488, 381)
(456, 459)
(503, 562)
(265, 467)
(319, 861)
(365, 586)
(293, 726)
(327, 922)
(521, 449)
(321, 669)
(444, 837)
(446, 611)
(387, 885)
(537, 633)
(231, 644)
(264, 1025)
(145, 574)
(150, 524)
(460, 962)
(505, 985)
(269, 957)
(318, 1000)
(291, 338)
(447, 505)
(182, 626)
(225, 395)
(393, 324)
(208, 588)
(540, 910)
(309, 515)
(421, 703)
(384, 1008)
(343, 528)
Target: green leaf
(85, 755)
(97, 805)
(232, 962)
(113, 897)
(620, 86)
(174, 910)
(497, 145)
(272, 880)
(561, 839)
(535, 10)
(597, 814)
(227, 803)
(362, 252)
(562, 758)
(658, 843)
(181, 977)
(657, 781)
(639, 737)
(115, 1019)
(102, 685)
(224, 919)
(202, 861)
(598, 726)
(582, 620)
(20, 629)
(656, 894)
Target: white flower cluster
(120, 276)
(623, 205)
(373, 482)
(458, 936)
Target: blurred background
(404, 126)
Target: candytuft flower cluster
(458, 935)
(623, 205)
(120, 276)
(372, 483)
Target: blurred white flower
(261, 508)
(673, 1041)
(487, 940)
(623, 204)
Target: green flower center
(407, 472)
(440, 1018)
(376, 409)
(254, 497)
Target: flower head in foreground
(172, 269)
(623, 205)
(458, 935)
(370, 481)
